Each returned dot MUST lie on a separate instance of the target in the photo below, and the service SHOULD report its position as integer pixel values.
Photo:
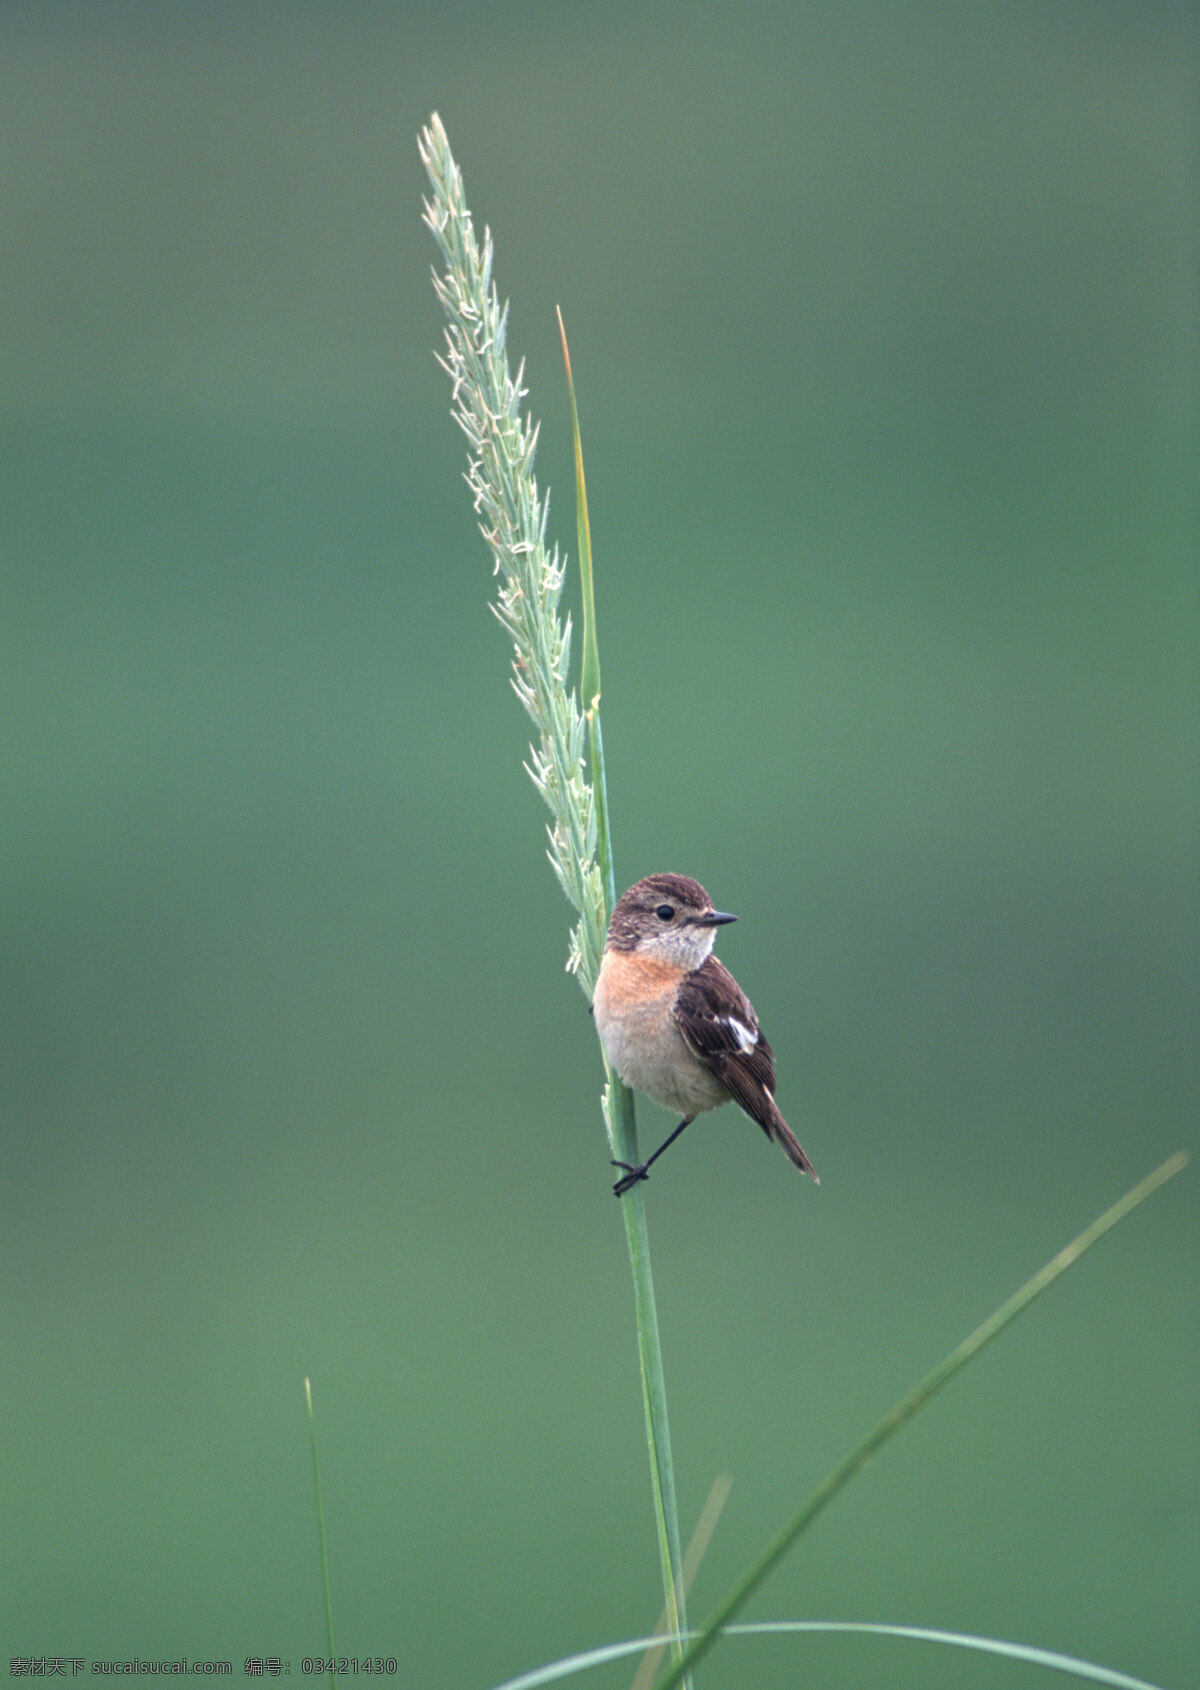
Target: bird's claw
(632, 1176)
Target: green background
(883, 322)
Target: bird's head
(668, 917)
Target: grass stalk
(618, 1102)
(706, 1525)
(623, 1132)
(487, 406)
(321, 1545)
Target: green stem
(654, 1389)
(312, 1433)
(621, 1114)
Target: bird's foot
(632, 1176)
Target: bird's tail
(787, 1141)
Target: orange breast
(636, 979)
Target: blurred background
(883, 318)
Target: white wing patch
(745, 1036)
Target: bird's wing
(718, 1023)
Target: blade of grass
(312, 1433)
(1089, 1671)
(589, 680)
(706, 1525)
(904, 1411)
(618, 1105)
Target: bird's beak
(713, 918)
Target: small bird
(674, 1022)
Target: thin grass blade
(619, 1111)
(1088, 1671)
(706, 1525)
(324, 1553)
(906, 1408)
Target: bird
(673, 1021)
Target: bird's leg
(632, 1174)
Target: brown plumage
(710, 1008)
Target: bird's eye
(664, 912)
